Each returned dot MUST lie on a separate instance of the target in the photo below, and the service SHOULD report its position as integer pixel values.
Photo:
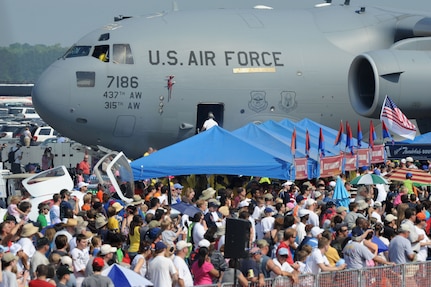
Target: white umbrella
(369, 179)
(124, 277)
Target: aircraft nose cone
(50, 93)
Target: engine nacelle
(403, 75)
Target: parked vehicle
(43, 133)
(10, 131)
(24, 112)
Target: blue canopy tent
(329, 134)
(422, 139)
(215, 151)
(268, 141)
(287, 125)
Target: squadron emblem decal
(288, 101)
(258, 101)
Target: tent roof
(206, 153)
(422, 139)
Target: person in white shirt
(313, 218)
(425, 243)
(185, 278)
(80, 257)
(377, 212)
(210, 122)
(268, 220)
(161, 270)
(281, 262)
(318, 262)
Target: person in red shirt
(84, 165)
(289, 242)
(40, 281)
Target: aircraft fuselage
(158, 76)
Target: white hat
(303, 212)
(15, 248)
(66, 260)
(377, 204)
(287, 183)
(403, 160)
(182, 244)
(106, 249)
(204, 243)
(82, 184)
(310, 202)
(404, 228)
(243, 203)
(332, 183)
(409, 159)
(317, 194)
(390, 218)
(316, 231)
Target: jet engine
(403, 75)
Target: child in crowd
(87, 202)
(13, 208)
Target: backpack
(11, 155)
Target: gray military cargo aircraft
(151, 81)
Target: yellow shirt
(113, 224)
(332, 255)
(135, 240)
(409, 185)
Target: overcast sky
(64, 22)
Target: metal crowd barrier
(417, 274)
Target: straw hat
(100, 222)
(28, 230)
(118, 207)
(81, 222)
(207, 193)
(71, 222)
(137, 200)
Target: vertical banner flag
(293, 143)
(372, 135)
(339, 135)
(385, 131)
(301, 168)
(396, 121)
(359, 135)
(349, 140)
(307, 143)
(321, 143)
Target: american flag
(396, 121)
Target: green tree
(24, 63)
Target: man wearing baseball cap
(184, 276)
(63, 275)
(97, 279)
(161, 270)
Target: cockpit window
(122, 54)
(85, 79)
(101, 52)
(77, 51)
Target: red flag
(349, 140)
(293, 144)
(385, 131)
(307, 142)
(321, 143)
(372, 135)
(359, 136)
(339, 135)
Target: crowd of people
(295, 228)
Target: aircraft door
(202, 114)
